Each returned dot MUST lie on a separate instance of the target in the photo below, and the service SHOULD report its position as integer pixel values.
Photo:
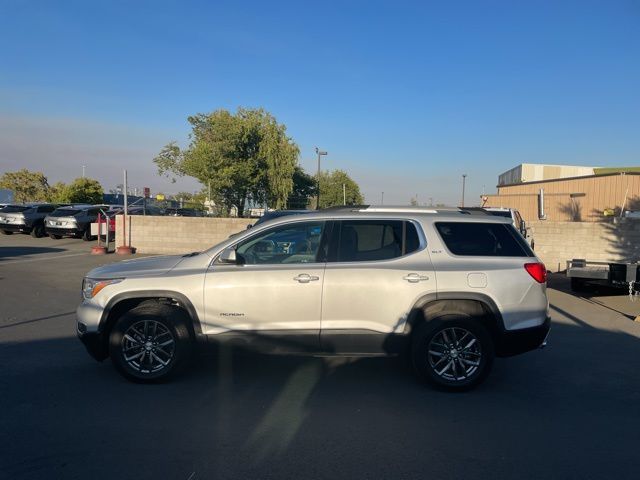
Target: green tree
(304, 188)
(27, 186)
(246, 155)
(331, 189)
(82, 190)
(58, 193)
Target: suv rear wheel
(151, 343)
(452, 351)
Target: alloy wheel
(454, 354)
(148, 346)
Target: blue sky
(404, 96)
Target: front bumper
(95, 345)
(515, 342)
(88, 317)
(15, 227)
(64, 232)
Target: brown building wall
(591, 195)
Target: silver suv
(452, 289)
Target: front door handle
(415, 278)
(306, 278)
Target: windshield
(65, 212)
(282, 213)
(14, 208)
(500, 213)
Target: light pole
(382, 199)
(464, 177)
(320, 153)
(83, 167)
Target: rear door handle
(306, 278)
(415, 278)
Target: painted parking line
(41, 259)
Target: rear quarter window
(483, 239)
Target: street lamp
(464, 177)
(320, 153)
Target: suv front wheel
(151, 343)
(452, 351)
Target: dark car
(72, 221)
(277, 214)
(183, 212)
(27, 218)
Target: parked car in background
(137, 210)
(516, 220)
(27, 218)
(72, 221)
(270, 215)
(183, 212)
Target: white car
(451, 288)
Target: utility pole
(83, 167)
(464, 177)
(320, 153)
(382, 199)
(344, 194)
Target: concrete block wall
(557, 242)
(177, 235)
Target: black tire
(6, 232)
(38, 231)
(168, 323)
(86, 235)
(55, 237)
(427, 357)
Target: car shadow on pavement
(12, 252)
(34, 320)
(237, 414)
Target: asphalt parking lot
(571, 410)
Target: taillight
(537, 271)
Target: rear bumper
(514, 342)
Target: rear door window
(372, 240)
(483, 239)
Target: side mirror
(523, 226)
(249, 226)
(228, 255)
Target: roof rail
(406, 209)
(347, 208)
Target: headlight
(90, 287)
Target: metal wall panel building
(580, 199)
